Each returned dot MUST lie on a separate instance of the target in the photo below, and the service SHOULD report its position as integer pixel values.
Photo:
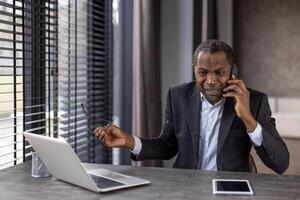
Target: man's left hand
(238, 90)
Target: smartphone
(234, 71)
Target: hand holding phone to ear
(237, 89)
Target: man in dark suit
(211, 123)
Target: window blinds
(28, 67)
(54, 54)
(85, 75)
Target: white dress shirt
(211, 116)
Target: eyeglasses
(108, 122)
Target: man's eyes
(220, 72)
(202, 73)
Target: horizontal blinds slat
(66, 87)
(87, 33)
(10, 135)
(10, 144)
(36, 129)
(5, 4)
(72, 132)
(66, 101)
(28, 34)
(81, 134)
(70, 123)
(11, 152)
(27, 10)
(11, 161)
(21, 67)
(26, 18)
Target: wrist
(250, 123)
(129, 142)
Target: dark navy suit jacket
(180, 134)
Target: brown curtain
(146, 116)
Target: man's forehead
(207, 58)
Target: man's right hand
(113, 136)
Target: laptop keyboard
(104, 182)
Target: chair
(252, 164)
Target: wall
(267, 45)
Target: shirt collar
(203, 99)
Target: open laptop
(63, 163)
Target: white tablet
(231, 186)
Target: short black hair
(213, 46)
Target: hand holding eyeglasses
(113, 136)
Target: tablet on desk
(232, 186)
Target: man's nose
(211, 79)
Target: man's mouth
(212, 92)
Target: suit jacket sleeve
(273, 151)
(165, 146)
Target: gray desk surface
(16, 183)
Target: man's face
(212, 70)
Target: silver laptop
(63, 163)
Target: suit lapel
(226, 122)
(193, 110)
